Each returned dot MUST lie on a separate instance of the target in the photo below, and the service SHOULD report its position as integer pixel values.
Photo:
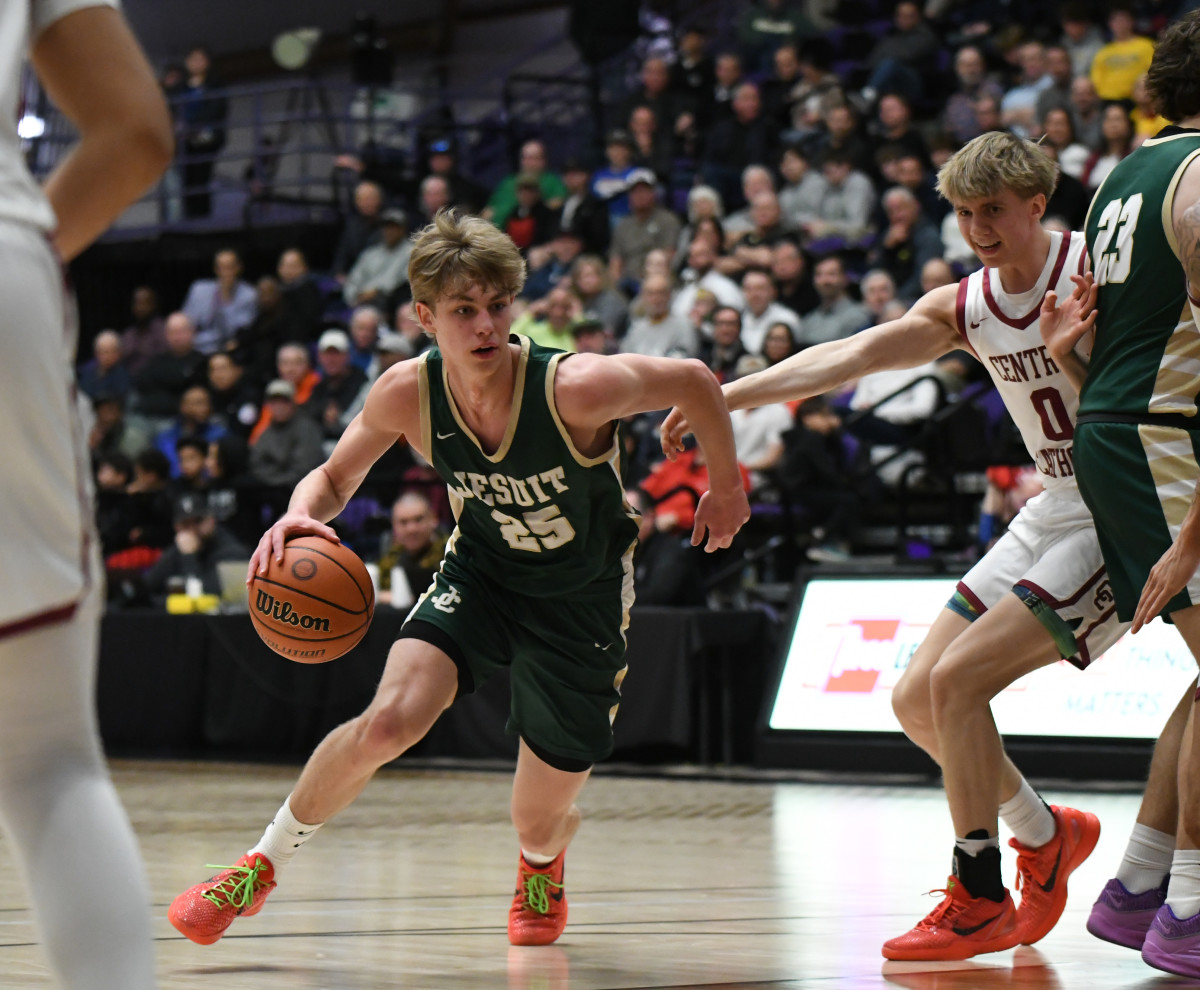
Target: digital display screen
(853, 637)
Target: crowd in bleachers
(756, 194)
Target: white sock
(536, 859)
(1026, 815)
(283, 837)
(1147, 859)
(1183, 893)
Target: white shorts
(1050, 557)
(45, 478)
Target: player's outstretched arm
(1064, 325)
(95, 72)
(391, 411)
(591, 391)
(927, 331)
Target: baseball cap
(394, 214)
(441, 146)
(639, 176)
(281, 388)
(333, 340)
(191, 505)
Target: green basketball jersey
(536, 516)
(1147, 344)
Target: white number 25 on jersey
(1113, 250)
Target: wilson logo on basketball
(284, 613)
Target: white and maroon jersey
(21, 21)
(1001, 328)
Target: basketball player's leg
(543, 804)
(70, 836)
(910, 697)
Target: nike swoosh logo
(974, 928)
(1049, 884)
(604, 647)
(557, 894)
(444, 436)
(975, 326)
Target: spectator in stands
(779, 343)
(195, 419)
(531, 223)
(800, 197)
(758, 432)
(1018, 108)
(702, 275)
(161, 383)
(900, 60)
(664, 564)
(433, 194)
(970, 71)
(1059, 131)
(288, 448)
(1070, 200)
(1058, 93)
(234, 400)
(837, 315)
(361, 228)
(765, 26)
(551, 263)
(112, 432)
(693, 74)
(114, 472)
(910, 173)
(219, 307)
(202, 110)
(190, 454)
(381, 271)
(230, 494)
(762, 311)
(723, 351)
(819, 474)
(909, 241)
(258, 342)
(844, 213)
(150, 501)
(610, 182)
(1081, 37)
(465, 193)
(670, 107)
(590, 282)
(779, 87)
(339, 384)
(303, 303)
(655, 330)
(817, 90)
(793, 282)
(844, 134)
(105, 373)
(987, 112)
(592, 337)
(878, 291)
(756, 179)
(653, 147)
(934, 273)
(416, 548)
(1116, 141)
(409, 327)
(884, 424)
(1147, 121)
(747, 137)
(292, 364)
(390, 348)
(1087, 112)
(200, 544)
(582, 212)
(1118, 64)
(532, 162)
(365, 325)
(893, 127)
(145, 337)
(647, 227)
(687, 478)
(753, 248)
(548, 320)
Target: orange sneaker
(539, 909)
(205, 911)
(960, 927)
(1042, 872)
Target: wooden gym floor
(673, 883)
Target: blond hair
(993, 162)
(456, 253)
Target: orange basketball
(315, 604)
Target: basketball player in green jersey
(1137, 442)
(537, 575)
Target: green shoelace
(235, 890)
(537, 893)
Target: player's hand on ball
(288, 525)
